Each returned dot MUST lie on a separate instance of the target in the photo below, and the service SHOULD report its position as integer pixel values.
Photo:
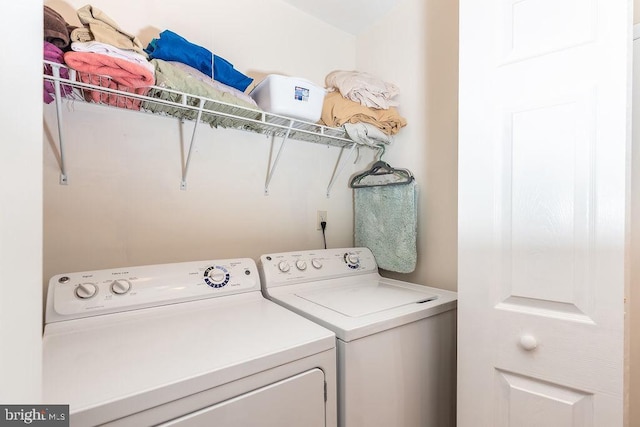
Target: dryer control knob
(283, 266)
(352, 260)
(301, 264)
(316, 263)
(120, 286)
(86, 290)
(216, 276)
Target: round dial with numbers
(216, 276)
(352, 260)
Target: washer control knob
(301, 264)
(316, 263)
(283, 266)
(120, 286)
(352, 260)
(86, 290)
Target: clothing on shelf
(56, 29)
(363, 88)
(337, 111)
(100, 27)
(173, 47)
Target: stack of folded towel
(102, 49)
(363, 104)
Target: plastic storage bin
(289, 96)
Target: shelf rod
(183, 183)
(275, 163)
(339, 169)
(58, 92)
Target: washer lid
(355, 307)
(360, 301)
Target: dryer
(396, 340)
(186, 344)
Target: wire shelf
(63, 83)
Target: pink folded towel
(111, 72)
(121, 71)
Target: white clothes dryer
(188, 344)
(396, 340)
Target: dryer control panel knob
(301, 265)
(352, 260)
(316, 263)
(216, 276)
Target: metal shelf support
(275, 162)
(340, 167)
(185, 169)
(56, 86)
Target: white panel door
(544, 90)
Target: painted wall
(21, 205)
(123, 204)
(423, 60)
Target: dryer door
(298, 400)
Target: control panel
(306, 266)
(89, 293)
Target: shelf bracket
(340, 167)
(56, 86)
(185, 170)
(275, 162)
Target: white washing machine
(396, 340)
(189, 344)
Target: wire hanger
(381, 174)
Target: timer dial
(216, 276)
(352, 260)
(301, 265)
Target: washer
(396, 340)
(188, 344)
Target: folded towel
(54, 54)
(367, 134)
(101, 28)
(107, 49)
(185, 79)
(337, 111)
(56, 29)
(121, 71)
(111, 72)
(173, 47)
(363, 88)
(386, 221)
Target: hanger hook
(380, 152)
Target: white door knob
(528, 342)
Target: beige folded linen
(101, 28)
(337, 111)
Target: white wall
(21, 204)
(422, 59)
(123, 205)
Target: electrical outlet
(322, 216)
